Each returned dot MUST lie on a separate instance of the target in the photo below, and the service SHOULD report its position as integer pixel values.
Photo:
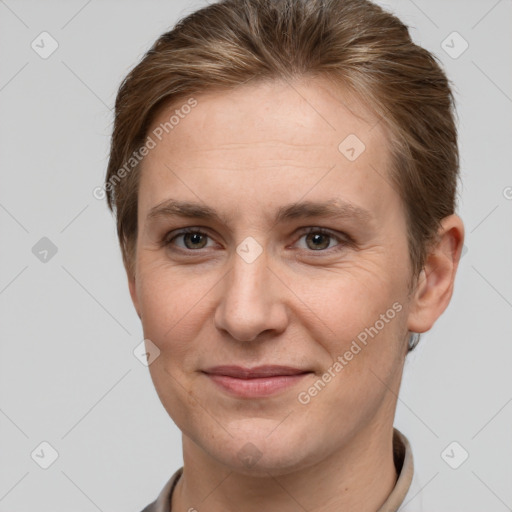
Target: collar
(403, 497)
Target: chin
(259, 451)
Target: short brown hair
(353, 42)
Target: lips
(257, 382)
(239, 372)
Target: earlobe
(435, 283)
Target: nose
(252, 301)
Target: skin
(245, 153)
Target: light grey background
(67, 372)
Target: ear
(434, 286)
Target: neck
(358, 476)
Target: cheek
(354, 298)
(363, 317)
(363, 337)
(174, 309)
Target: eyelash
(343, 239)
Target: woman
(284, 174)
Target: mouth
(255, 382)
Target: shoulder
(163, 501)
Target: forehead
(284, 132)
(304, 112)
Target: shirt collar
(405, 491)
(404, 464)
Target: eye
(316, 239)
(319, 239)
(192, 238)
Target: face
(297, 258)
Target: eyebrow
(298, 210)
